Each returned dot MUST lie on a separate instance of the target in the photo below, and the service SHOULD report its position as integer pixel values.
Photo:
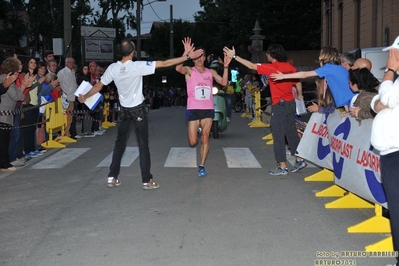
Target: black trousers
(282, 123)
(132, 117)
(4, 142)
(390, 182)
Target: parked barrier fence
(341, 146)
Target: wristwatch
(389, 69)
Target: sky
(158, 11)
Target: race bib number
(202, 92)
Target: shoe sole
(150, 188)
(20, 164)
(8, 171)
(113, 185)
(278, 174)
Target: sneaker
(78, 137)
(113, 182)
(287, 151)
(38, 152)
(31, 154)
(201, 171)
(298, 165)
(102, 129)
(9, 169)
(150, 185)
(25, 158)
(228, 120)
(99, 133)
(199, 132)
(89, 135)
(42, 149)
(17, 163)
(279, 171)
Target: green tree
(158, 47)
(14, 27)
(295, 24)
(116, 14)
(46, 22)
(81, 16)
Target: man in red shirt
(282, 120)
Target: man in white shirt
(68, 84)
(128, 78)
(384, 138)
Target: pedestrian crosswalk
(181, 157)
(60, 159)
(235, 157)
(130, 155)
(240, 158)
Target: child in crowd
(325, 102)
(363, 82)
(335, 74)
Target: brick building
(350, 24)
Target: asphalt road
(234, 216)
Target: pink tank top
(199, 90)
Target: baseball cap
(395, 45)
(93, 64)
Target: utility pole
(138, 26)
(67, 28)
(171, 31)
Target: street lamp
(138, 20)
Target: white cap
(395, 45)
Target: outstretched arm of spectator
(232, 54)
(297, 75)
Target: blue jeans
(132, 117)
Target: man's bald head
(362, 63)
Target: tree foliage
(116, 14)
(14, 27)
(158, 47)
(46, 21)
(295, 24)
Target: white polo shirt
(128, 78)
